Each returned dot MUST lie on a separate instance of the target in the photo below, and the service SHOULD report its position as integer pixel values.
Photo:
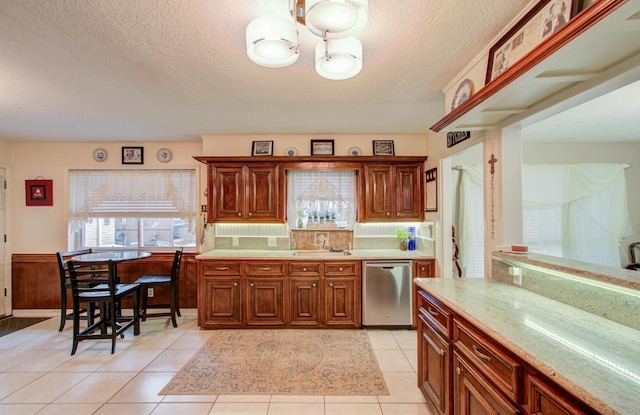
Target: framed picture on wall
(262, 148)
(322, 148)
(132, 155)
(431, 190)
(39, 192)
(383, 148)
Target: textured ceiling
(123, 70)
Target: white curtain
(139, 193)
(470, 222)
(576, 211)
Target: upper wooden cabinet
(242, 192)
(392, 192)
(243, 189)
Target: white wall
(43, 229)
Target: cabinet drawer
(436, 314)
(307, 269)
(492, 362)
(221, 268)
(341, 268)
(265, 269)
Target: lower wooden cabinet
(434, 368)
(221, 302)
(462, 370)
(474, 395)
(279, 294)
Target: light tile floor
(38, 376)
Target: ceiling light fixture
(272, 41)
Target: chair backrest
(632, 251)
(175, 268)
(63, 258)
(98, 277)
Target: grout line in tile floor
(39, 377)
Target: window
(329, 195)
(132, 208)
(576, 211)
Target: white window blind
(131, 193)
(312, 191)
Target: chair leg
(76, 329)
(63, 308)
(172, 306)
(114, 327)
(136, 314)
(177, 294)
(143, 307)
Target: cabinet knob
(252, 284)
(330, 284)
(235, 284)
(304, 269)
(388, 214)
(314, 284)
(340, 269)
(421, 268)
(239, 213)
(250, 213)
(458, 370)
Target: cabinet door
(265, 301)
(263, 194)
(408, 201)
(547, 400)
(434, 367)
(221, 302)
(474, 395)
(340, 302)
(304, 301)
(378, 200)
(228, 198)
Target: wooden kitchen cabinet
(434, 352)
(421, 269)
(474, 395)
(544, 399)
(279, 294)
(246, 192)
(393, 192)
(219, 294)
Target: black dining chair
(65, 285)
(172, 282)
(97, 282)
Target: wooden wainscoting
(35, 279)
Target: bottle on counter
(411, 245)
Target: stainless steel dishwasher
(386, 293)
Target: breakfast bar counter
(595, 359)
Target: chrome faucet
(322, 242)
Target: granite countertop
(596, 359)
(356, 254)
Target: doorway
(466, 213)
(4, 309)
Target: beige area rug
(282, 362)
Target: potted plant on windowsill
(404, 236)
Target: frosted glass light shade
(272, 41)
(338, 18)
(339, 59)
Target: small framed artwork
(132, 155)
(262, 148)
(432, 190)
(322, 148)
(383, 148)
(39, 192)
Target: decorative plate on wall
(462, 94)
(100, 154)
(291, 151)
(355, 151)
(164, 155)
